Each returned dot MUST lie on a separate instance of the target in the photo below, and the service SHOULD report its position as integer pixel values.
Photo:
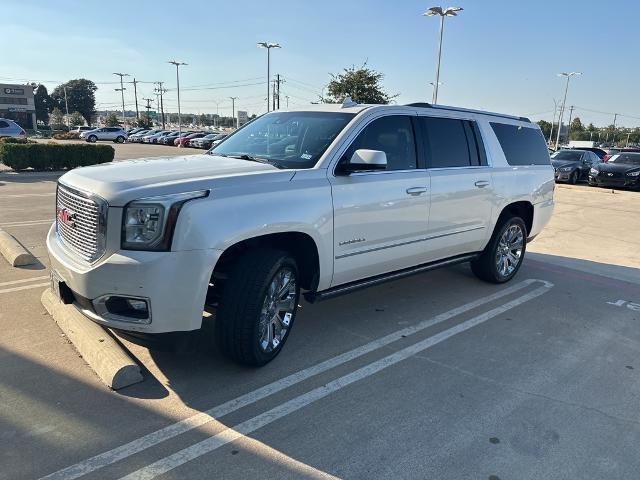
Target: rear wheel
(92, 139)
(501, 259)
(120, 139)
(258, 307)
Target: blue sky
(498, 55)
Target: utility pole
(66, 103)
(628, 135)
(278, 82)
(274, 95)
(162, 90)
(615, 117)
(121, 90)
(569, 124)
(135, 94)
(233, 110)
(148, 107)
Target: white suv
(115, 134)
(327, 199)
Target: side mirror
(364, 160)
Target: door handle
(481, 183)
(416, 191)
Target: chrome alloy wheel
(277, 310)
(509, 250)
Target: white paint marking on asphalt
(135, 446)
(20, 195)
(24, 287)
(24, 280)
(185, 455)
(27, 223)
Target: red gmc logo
(66, 217)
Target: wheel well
(523, 210)
(299, 245)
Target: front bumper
(562, 176)
(605, 181)
(175, 283)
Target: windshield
(628, 158)
(288, 139)
(567, 155)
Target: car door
(462, 191)
(380, 217)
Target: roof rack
(459, 109)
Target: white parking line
(229, 435)
(24, 287)
(135, 446)
(27, 223)
(24, 280)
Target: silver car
(9, 128)
(115, 134)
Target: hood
(617, 167)
(563, 163)
(120, 182)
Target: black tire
(244, 294)
(573, 178)
(485, 267)
(92, 139)
(120, 139)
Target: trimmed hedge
(67, 136)
(53, 156)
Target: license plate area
(60, 288)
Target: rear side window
(3, 124)
(521, 145)
(451, 143)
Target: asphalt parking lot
(434, 376)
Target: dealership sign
(14, 91)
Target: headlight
(148, 223)
(566, 169)
(633, 174)
(593, 171)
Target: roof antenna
(348, 102)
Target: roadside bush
(67, 136)
(53, 156)
(15, 140)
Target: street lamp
(268, 46)
(121, 90)
(448, 12)
(66, 103)
(564, 101)
(178, 64)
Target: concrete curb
(98, 348)
(14, 252)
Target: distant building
(17, 103)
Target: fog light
(123, 309)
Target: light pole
(178, 64)
(433, 86)
(268, 46)
(287, 97)
(121, 90)
(215, 121)
(553, 121)
(564, 101)
(233, 110)
(448, 12)
(66, 103)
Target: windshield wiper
(245, 156)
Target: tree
(43, 103)
(362, 84)
(144, 121)
(80, 97)
(56, 119)
(111, 120)
(545, 127)
(76, 119)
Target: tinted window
(446, 143)
(394, 136)
(522, 145)
(568, 155)
(3, 124)
(629, 158)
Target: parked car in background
(133, 131)
(622, 170)
(154, 138)
(573, 165)
(203, 142)
(9, 128)
(137, 137)
(219, 139)
(183, 141)
(598, 151)
(115, 134)
(327, 200)
(169, 138)
(81, 129)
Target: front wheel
(501, 259)
(258, 307)
(120, 139)
(92, 139)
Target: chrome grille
(80, 223)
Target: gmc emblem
(66, 217)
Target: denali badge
(66, 217)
